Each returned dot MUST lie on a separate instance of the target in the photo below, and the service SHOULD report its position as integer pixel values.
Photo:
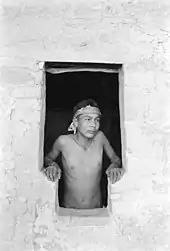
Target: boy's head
(86, 118)
(83, 104)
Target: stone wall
(133, 33)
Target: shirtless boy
(82, 154)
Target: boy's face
(88, 125)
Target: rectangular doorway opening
(66, 85)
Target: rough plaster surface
(134, 33)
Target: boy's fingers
(118, 175)
(50, 176)
(114, 175)
(52, 173)
(47, 174)
(108, 172)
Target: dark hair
(84, 103)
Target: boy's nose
(93, 124)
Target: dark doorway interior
(63, 91)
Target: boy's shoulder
(62, 139)
(101, 137)
(61, 142)
(100, 134)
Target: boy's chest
(79, 158)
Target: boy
(82, 154)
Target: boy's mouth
(91, 131)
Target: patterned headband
(87, 110)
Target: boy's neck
(83, 141)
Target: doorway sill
(97, 212)
(84, 217)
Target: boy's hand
(53, 172)
(114, 173)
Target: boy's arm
(51, 168)
(53, 154)
(109, 151)
(114, 172)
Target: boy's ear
(75, 121)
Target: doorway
(69, 83)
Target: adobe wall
(133, 33)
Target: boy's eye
(87, 119)
(97, 120)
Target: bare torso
(82, 172)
